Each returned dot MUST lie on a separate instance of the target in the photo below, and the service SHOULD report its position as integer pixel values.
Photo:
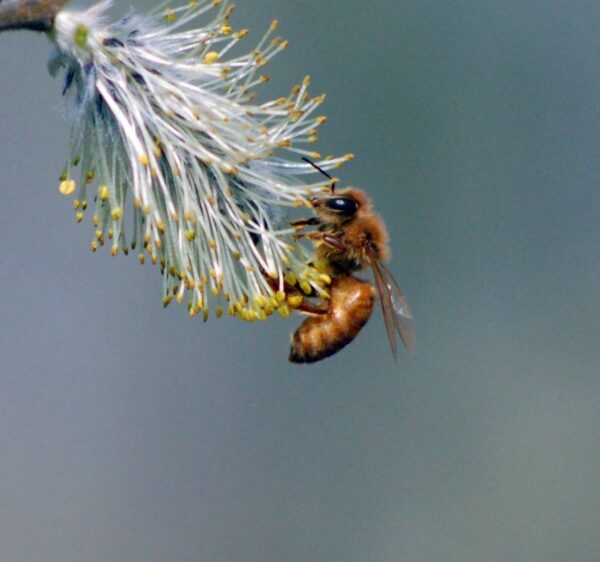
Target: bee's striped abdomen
(350, 307)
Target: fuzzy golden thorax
(359, 229)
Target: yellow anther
(215, 291)
(218, 312)
(305, 286)
(315, 155)
(325, 278)
(295, 300)
(190, 217)
(284, 44)
(205, 314)
(274, 25)
(236, 254)
(189, 235)
(84, 204)
(241, 33)
(143, 159)
(76, 160)
(79, 216)
(211, 57)
(67, 187)
(81, 35)
(160, 224)
(261, 315)
(284, 311)
(260, 301)
(114, 250)
(103, 192)
(320, 120)
(76, 204)
(225, 29)
(279, 296)
(306, 81)
(170, 16)
(142, 259)
(63, 176)
(94, 246)
(137, 202)
(89, 177)
(157, 151)
(291, 278)
(116, 213)
(269, 309)
(312, 138)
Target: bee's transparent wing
(396, 313)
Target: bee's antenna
(317, 167)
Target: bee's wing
(396, 313)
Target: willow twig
(37, 15)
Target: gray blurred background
(130, 433)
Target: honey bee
(349, 236)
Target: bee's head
(340, 207)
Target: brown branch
(37, 15)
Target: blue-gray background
(128, 433)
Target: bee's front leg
(318, 236)
(301, 223)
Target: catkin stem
(37, 15)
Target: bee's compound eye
(343, 205)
